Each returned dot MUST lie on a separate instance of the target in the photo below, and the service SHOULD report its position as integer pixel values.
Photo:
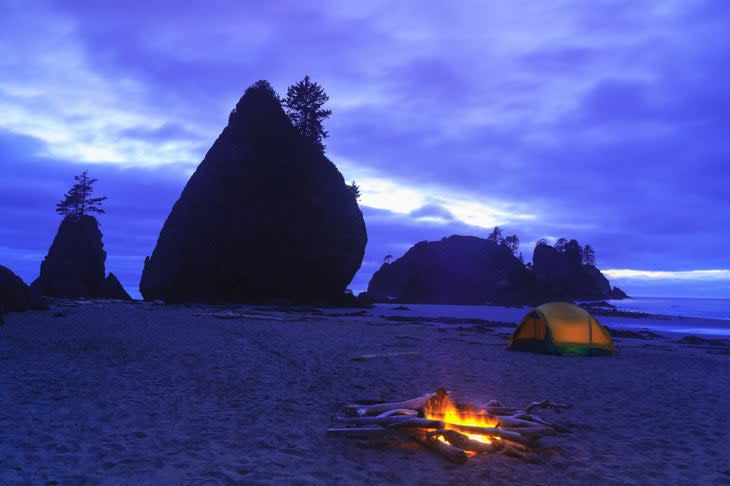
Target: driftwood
(399, 411)
(415, 423)
(453, 454)
(510, 435)
(396, 422)
(514, 430)
(457, 439)
(415, 403)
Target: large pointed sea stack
(265, 216)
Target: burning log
(453, 454)
(462, 441)
(510, 435)
(452, 429)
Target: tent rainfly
(561, 328)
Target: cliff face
(266, 215)
(455, 270)
(471, 270)
(74, 266)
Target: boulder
(74, 266)
(265, 216)
(111, 288)
(455, 270)
(14, 293)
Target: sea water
(677, 306)
(704, 317)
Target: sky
(603, 121)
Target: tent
(561, 328)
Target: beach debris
(456, 431)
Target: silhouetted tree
(303, 104)
(542, 242)
(573, 251)
(512, 242)
(77, 201)
(354, 189)
(495, 235)
(560, 244)
(589, 255)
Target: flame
(441, 408)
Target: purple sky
(604, 121)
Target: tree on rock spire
(78, 202)
(303, 104)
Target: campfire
(456, 431)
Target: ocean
(677, 306)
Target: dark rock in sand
(455, 270)
(74, 266)
(265, 216)
(14, 293)
(111, 288)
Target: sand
(138, 393)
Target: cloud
(432, 212)
(605, 122)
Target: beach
(100, 392)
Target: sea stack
(74, 266)
(455, 270)
(266, 216)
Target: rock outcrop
(265, 216)
(74, 266)
(618, 294)
(471, 270)
(111, 288)
(563, 276)
(455, 270)
(14, 293)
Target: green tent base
(561, 328)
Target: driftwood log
(453, 454)
(415, 403)
(462, 441)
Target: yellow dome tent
(561, 328)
